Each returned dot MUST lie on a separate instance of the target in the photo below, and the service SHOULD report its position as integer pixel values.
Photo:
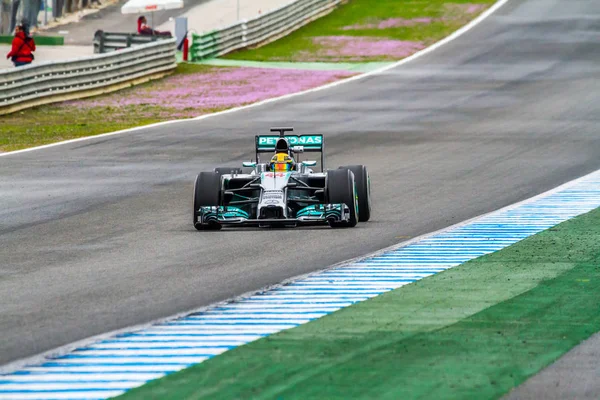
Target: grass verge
(474, 331)
(367, 30)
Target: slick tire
(228, 170)
(363, 189)
(342, 189)
(207, 190)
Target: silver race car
(284, 192)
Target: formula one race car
(285, 192)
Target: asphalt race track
(97, 235)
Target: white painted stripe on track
(358, 274)
(267, 307)
(164, 344)
(186, 330)
(146, 336)
(372, 287)
(95, 360)
(250, 316)
(316, 298)
(384, 268)
(58, 386)
(195, 352)
(79, 377)
(365, 277)
(78, 395)
(259, 320)
(120, 369)
(226, 324)
(308, 292)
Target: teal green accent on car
(309, 211)
(313, 142)
(318, 210)
(238, 197)
(232, 212)
(223, 213)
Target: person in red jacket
(144, 29)
(23, 47)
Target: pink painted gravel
(389, 23)
(218, 89)
(356, 48)
(474, 8)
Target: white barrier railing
(259, 30)
(36, 84)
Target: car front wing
(319, 214)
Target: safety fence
(259, 30)
(44, 83)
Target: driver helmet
(281, 162)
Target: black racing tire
(340, 188)
(228, 170)
(363, 189)
(207, 193)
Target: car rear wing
(309, 143)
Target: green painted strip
(318, 66)
(39, 40)
(474, 331)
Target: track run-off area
(96, 235)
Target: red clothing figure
(22, 48)
(144, 29)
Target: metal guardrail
(259, 30)
(105, 42)
(33, 85)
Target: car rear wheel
(342, 189)
(363, 189)
(207, 189)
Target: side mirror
(309, 163)
(298, 149)
(249, 164)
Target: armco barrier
(265, 28)
(34, 85)
(105, 42)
